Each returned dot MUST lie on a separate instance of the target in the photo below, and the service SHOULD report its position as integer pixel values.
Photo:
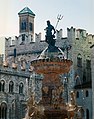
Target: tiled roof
(26, 10)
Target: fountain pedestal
(56, 114)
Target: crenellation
(21, 45)
(81, 33)
(90, 36)
(13, 43)
(90, 39)
(59, 34)
(30, 38)
(37, 37)
(19, 40)
(7, 42)
(71, 34)
(16, 40)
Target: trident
(59, 17)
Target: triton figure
(50, 34)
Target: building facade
(16, 69)
(92, 70)
(81, 57)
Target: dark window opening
(78, 80)
(23, 37)
(23, 26)
(87, 114)
(21, 88)
(77, 94)
(3, 111)
(11, 86)
(79, 60)
(87, 93)
(84, 76)
(2, 86)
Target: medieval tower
(26, 23)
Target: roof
(26, 10)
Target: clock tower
(26, 22)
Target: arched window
(87, 93)
(87, 114)
(21, 88)
(78, 80)
(23, 25)
(11, 86)
(88, 69)
(3, 111)
(79, 60)
(2, 85)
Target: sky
(76, 13)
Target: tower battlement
(24, 39)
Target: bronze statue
(50, 34)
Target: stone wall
(92, 64)
(77, 42)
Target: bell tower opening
(26, 22)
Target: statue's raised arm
(50, 34)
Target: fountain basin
(45, 66)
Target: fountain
(51, 63)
